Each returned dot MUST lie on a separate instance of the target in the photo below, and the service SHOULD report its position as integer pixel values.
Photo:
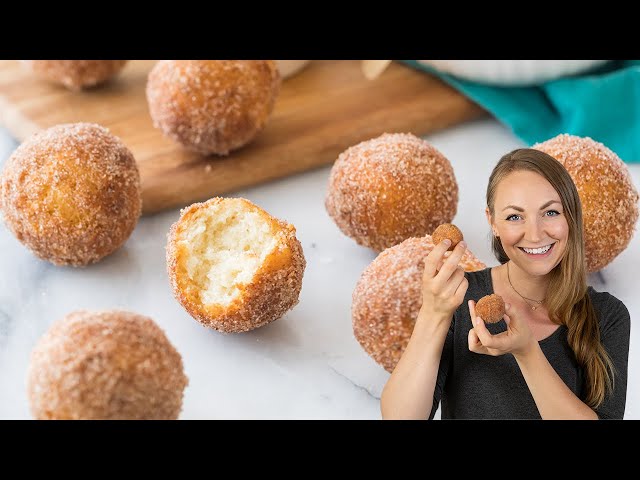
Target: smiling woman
(532, 234)
(569, 343)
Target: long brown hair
(567, 300)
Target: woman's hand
(517, 339)
(443, 282)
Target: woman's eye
(551, 213)
(513, 217)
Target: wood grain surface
(326, 108)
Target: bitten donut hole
(225, 248)
(232, 265)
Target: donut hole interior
(226, 245)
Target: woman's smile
(538, 253)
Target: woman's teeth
(537, 251)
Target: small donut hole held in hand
(490, 308)
(450, 231)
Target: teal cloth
(603, 104)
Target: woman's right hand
(443, 282)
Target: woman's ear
(490, 221)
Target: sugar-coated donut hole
(226, 246)
(71, 193)
(105, 365)
(212, 106)
(447, 231)
(490, 308)
(390, 188)
(76, 74)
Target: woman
(561, 350)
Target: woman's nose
(534, 231)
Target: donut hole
(105, 365)
(225, 247)
(212, 106)
(232, 265)
(390, 188)
(71, 193)
(76, 74)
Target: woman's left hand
(517, 339)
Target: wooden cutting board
(326, 108)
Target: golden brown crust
(212, 106)
(274, 289)
(490, 308)
(105, 365)
(71, 193)
(390, 188)
(609, 198)
(447, 230)
(388, 297)
(76, 74)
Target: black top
(474, 385)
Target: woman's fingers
(497, 342)
(454, 282)
(461, 291)
(484, 335)
(474, 343)
(453, 260)
(432, 262)
(472, 340)
(472, 310)
(480, 338)
(450, 265)
(511, 315)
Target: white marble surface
(306, 365)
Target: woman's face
(530, 221)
